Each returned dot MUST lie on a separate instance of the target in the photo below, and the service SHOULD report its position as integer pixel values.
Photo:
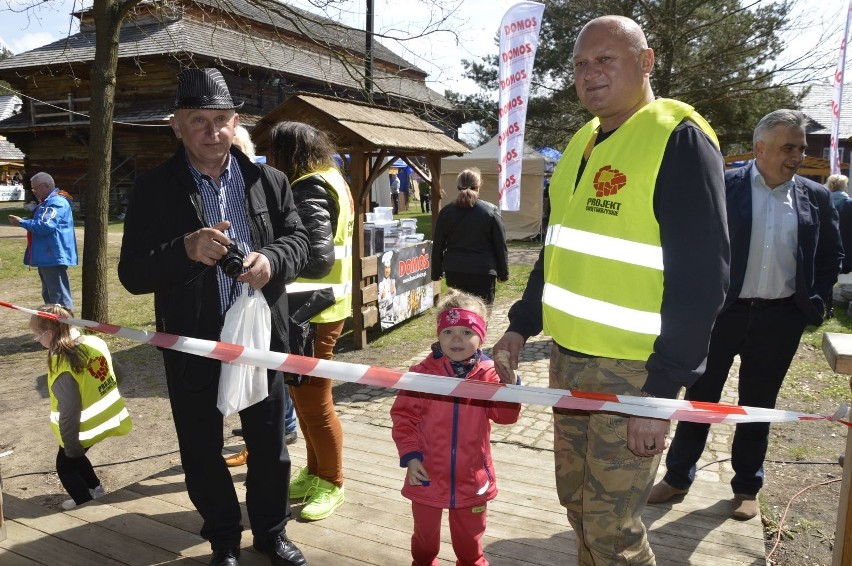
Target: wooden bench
(838, 352)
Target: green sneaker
(323, 500)
(302, 484)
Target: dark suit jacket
(819, 252)
(846, 237)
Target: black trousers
(483, 286)
(766, 340)
(193, 384)
(77, 476)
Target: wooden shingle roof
(226, 47)
(359, 127)
(294, 20)
(8, 151)
(817, 105)
(9, 103)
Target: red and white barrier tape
(670, 409)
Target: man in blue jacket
(785, 257)
(51, 243)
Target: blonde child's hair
(455, 299)
(242, 139)
(63, 343)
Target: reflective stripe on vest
(603, 259)
(340, 276)
(605, 246)
(103, 412)
(338, 290)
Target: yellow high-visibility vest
(103, 411)
(340, 276)
(603, 266)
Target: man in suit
(785, 258)
(181, 217)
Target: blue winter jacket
(50, 233)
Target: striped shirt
(226, 202)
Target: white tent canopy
(522, 224)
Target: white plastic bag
(247, 323)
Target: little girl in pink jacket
(445, 441)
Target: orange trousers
(315, 410)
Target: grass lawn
(138, 311)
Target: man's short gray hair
(789, 118)
(42, 177)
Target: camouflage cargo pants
(602, 484)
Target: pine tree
(718, 55)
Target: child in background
(445, 442)
(85, 406)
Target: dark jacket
(845, 219)
(319, 214)
(470, 240)
(819, 253)
(166, 206)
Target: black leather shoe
(291, 437)
(281, 551)
(237, 432)
(227, 557)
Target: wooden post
(2, 519)
(434, 163)
(843, 533)
(361, 192)
(838, 352)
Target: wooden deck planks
(154, 522)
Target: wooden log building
(265, 49)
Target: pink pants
(466, 529)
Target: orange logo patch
(609, 181)
(98, 368)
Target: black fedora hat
(203, 89)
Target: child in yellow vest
(85, 405)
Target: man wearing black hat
(181, 217)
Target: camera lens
(232, 265)
(232, 262)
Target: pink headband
(462, 317)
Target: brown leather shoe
(663, 492)
(238, 460)
(744, 507)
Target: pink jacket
(451, 436)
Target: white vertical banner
(837, 97)
(518, 43)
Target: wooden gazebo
(373, 137)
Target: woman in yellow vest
(326, 208)
(85, 405)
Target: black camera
(232, 262)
